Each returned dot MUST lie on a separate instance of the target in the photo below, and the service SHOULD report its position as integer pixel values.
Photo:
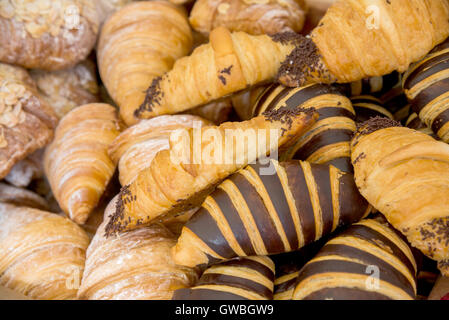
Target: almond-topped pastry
(47, 34)
(26, 121)
(69, 88)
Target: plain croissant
(181, 177)
(76, 163)
(42, 254)
(404, 174)
(140, 42)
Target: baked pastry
(404, 174)
(107, 7)
(76, 163)
(415, 123)
(230, 62)
(180, 178)
(46, 34)
(375, 86)
(251, 213)
(27, 170)
(368, 261)
(251, 16)
(216, 111)
(135, 147)
(21, 197)
(426, 84)
(26, 121)
(138, 43)
(382, 41)
(66, 89)
(367, 107)
(41, 254)
(249, 278)
(134, 265)
(328, 140)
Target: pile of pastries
(349, 201)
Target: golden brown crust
(26, 121)
(76, 163)
(251, 16)
(134, 265)
(42, 254)
(66, 89)
(21, 197)
(138, 43)
(404, 174)
(47, 34)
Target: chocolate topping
(376, 123)
(114, 226)
(153, 96)
(286, 114)
(303, 61)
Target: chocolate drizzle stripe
(205, 227)
(342, 293)
(343, 163)
(427, 69)
(440, 120)
(347, 270)
(265, 225)
(237, 282)
(275, 190)
(250, 264)
(429, 94)
(352, 205)
(330, 112)
(364, 232)
(274, 103)
(302, 95)
(285, 286)
(322, 179)
(205, 294)
(364, 114)
(298, 186)
(368, 259)
(235, 222)
(323, 139)
(264, 97)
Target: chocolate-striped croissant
(328, 141)
(248, 278)
(261, 213)
(376, 86)
(367, 107)
(415, 123)
(404, 174)
(426, 85)
(368, 261)
(77, 163)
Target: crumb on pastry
(375, 124)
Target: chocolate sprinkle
(303, 61)
(153, 96)
(222, 79)
(285, 115)
(360, 157)
(227, 70)
(375, 124)
(114, 226)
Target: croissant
(368, 261)
(375, 86)
(21, 197)
(41, 254)
(251, 16)
(249, 278)
(66, 89)
(384, 36)
(217, 111)
(27, 170)
(426, 84)
(288, 266)
(137, 44)
(134, 265)
(415, 123)
(367, 107)
(106, 8)
(255, 214)
(46, 34)
(230, 62)
(76, 163)
(405, 175)
(135, 147)
(26, 121)
(180, 178)
(328, 141)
